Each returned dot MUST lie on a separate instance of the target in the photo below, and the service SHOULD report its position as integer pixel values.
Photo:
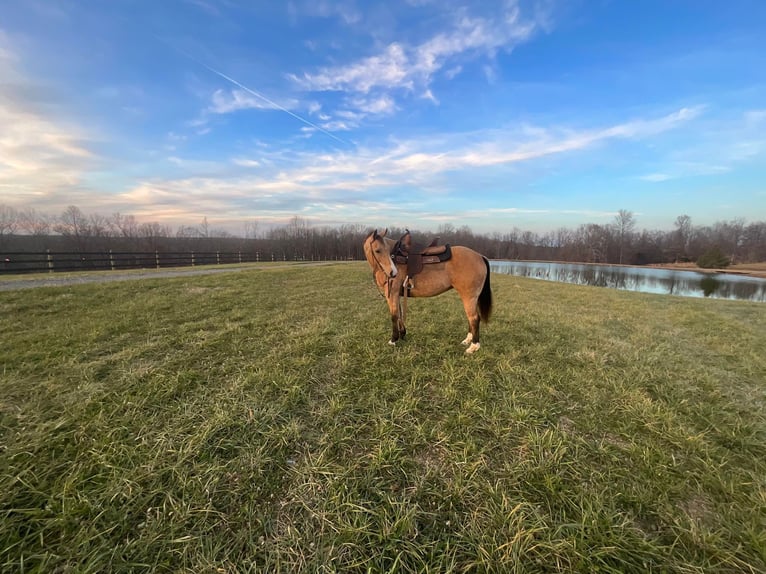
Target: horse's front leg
(402, 318)
(396, 321)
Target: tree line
(618, 241)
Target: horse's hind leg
(472, 313)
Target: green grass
(259, 422)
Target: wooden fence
(52, 261)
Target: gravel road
(53, 280)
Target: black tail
(485, 297)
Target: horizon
(107, 223)
(533, 115)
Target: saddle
(415, 259)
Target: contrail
(257, 95)
(276, 105)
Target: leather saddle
(415, 259)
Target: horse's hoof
(467, 340)
(472, 348)
(392, 343)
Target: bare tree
(73, 225)
(125, 225)
(683, 225)
(152, 234)
(9, 221)
(729, 236)
(204, 228)
(34, 223)
(251, 229)
(624, 223)
(596, 242)
(754, 241)
(99, 226)
(188, 232)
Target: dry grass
(258, 422)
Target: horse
(466, 271)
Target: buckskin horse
(399, 272)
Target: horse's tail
(485, 297)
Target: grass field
(259, 422)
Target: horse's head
(377, 250)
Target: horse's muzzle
(394, 271)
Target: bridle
(389, 278)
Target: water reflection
(645, 279)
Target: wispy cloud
(656, 177)
(401, 66)
(208, 7)
(259, 96)
(39, 155)
(228, 101)
(245, 162)
(345, 10)
(381, 105)
(308, 180)
(730, 141)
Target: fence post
(50, 261)
(240, 256)
(217, 257)
(157, 258)
(192, 254)
(111, 260)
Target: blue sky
(411, 113)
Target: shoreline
(757, 270)
(746, 269)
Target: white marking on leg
(392, 343)
(472, 348)
(467, 340)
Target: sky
(535, 114)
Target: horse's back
(464, 271)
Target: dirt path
(54, 280)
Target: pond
(644, 279)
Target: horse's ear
(374, 234)
(384, 232)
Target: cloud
(382, 105)
(656, 177)
(754, 117)
(390, 69)
(39, 155)
(226, 102)
(246, 162)
(400, 66)
(345, 10)
(305, 181)
(207, 7)
(730, 141)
